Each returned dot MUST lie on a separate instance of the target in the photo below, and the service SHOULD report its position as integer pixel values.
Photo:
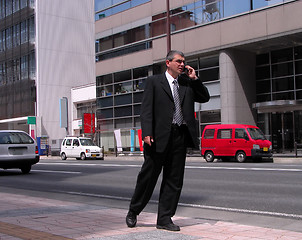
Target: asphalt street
(248, 192)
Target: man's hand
(148, 140)
(191, 72)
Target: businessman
(168, 128)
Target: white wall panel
(65, 56)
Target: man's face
(176, 66)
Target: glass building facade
(17, 58)
(279, 82)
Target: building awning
(278, 106)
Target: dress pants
(172, 162)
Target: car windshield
(15, 138)
(86, 142)
(256, 134)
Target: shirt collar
(170, 78)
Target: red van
(234, 140)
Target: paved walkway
(33, 218)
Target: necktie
(178, 117)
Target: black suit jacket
(158, 107)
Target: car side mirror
(246, 138)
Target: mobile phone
(185, 70)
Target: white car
(17, 150)
(80, 148)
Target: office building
(247, 52)
(46, 48)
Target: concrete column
(237, 86)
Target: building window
(278, 75)
(105, 8)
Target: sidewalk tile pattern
(24, 217)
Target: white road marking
(56, 171)
(188, 167)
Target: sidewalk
(32, 218)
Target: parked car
(234, 140)
(80, 148)
(17, 150)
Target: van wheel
(240, 156)
(63, 156)
(209, 156)
(83, 156)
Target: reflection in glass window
(123, 99)
(122, 76)
(283, 96)
(283, 84)
(106, 113)
(137, 97)
(224, 134)
(264, 3)
(263, 86)
(263, 72)
(105, 8)
(125, 87)
(240, 133)
(139, 85)
(123, 123)
(2, 9)
(103, 80)
(234, 7)
(24, 67)
(284, 69)
(105, 102)
(140, 72)
(23, 4)
(299, 82)
(298, 67)
(209, 134)
(137, 110)
(2, 74)
(24, 35)
(121, 7)
(264, 97)
(209, 74)
(2, 41)
(123, 111)
(16, 5)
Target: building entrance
(283, 131)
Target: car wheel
(63, 156)
(209, 156)
(240, 156)
(83, 156)
(26, 169)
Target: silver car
(17, 150)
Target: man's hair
(170, 56)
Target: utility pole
(168, 27)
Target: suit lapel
(166, 86)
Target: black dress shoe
(131, 219)
(169, 227)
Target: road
(218, 190)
